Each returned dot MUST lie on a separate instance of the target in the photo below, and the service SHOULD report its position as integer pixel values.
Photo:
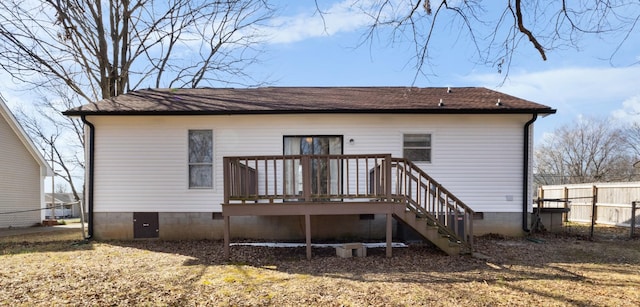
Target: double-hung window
(417, 147)
(200, 159)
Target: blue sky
(304, 51)
(578, 83)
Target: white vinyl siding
(140, 161)
(20, 182)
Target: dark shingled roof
(287, 100)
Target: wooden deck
(342, 185)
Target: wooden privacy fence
(601, 203)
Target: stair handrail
(404, 170)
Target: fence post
(565, 196)
(594, 210)
(540, 201)
(633, 218)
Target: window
(417, 147)
(200, 159)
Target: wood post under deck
(307, 210)
(307, 224)
(389, 234)
(227, 238)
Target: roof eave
(336, 111)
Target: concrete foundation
(113, 225)
(202, 225)
(504, 223)
(189, 225)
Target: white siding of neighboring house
(20, 180)
(141, 161)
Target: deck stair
(432, 233)
(432, 211)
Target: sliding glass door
(324, 173)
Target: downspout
(92, 129)
(525, 176)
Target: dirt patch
(551, 270)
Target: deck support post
(227, 229)
(389, 234)
(307, 224)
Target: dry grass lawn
(55, 269)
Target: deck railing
(344, 178)
(430, 200)
(306, 178)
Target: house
(65, 205)
(23, 171)
(293, 163)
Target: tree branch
(526, 31)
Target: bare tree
(591, 150)
(99, 49)
(632, 138)
(79, 51)
(495, 34)
(61, 189)
(60, 138)
(631, 135)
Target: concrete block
(348, 250)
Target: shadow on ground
(41, 240)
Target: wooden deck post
(226, 175)
(387, 177)
(470, 231)
(227, 228)
(307, 224)
(389, 234)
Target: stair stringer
(429, 231)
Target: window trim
(430, 147)
(189, 163)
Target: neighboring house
(288, 163)
(22, 173)
(65, 205)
